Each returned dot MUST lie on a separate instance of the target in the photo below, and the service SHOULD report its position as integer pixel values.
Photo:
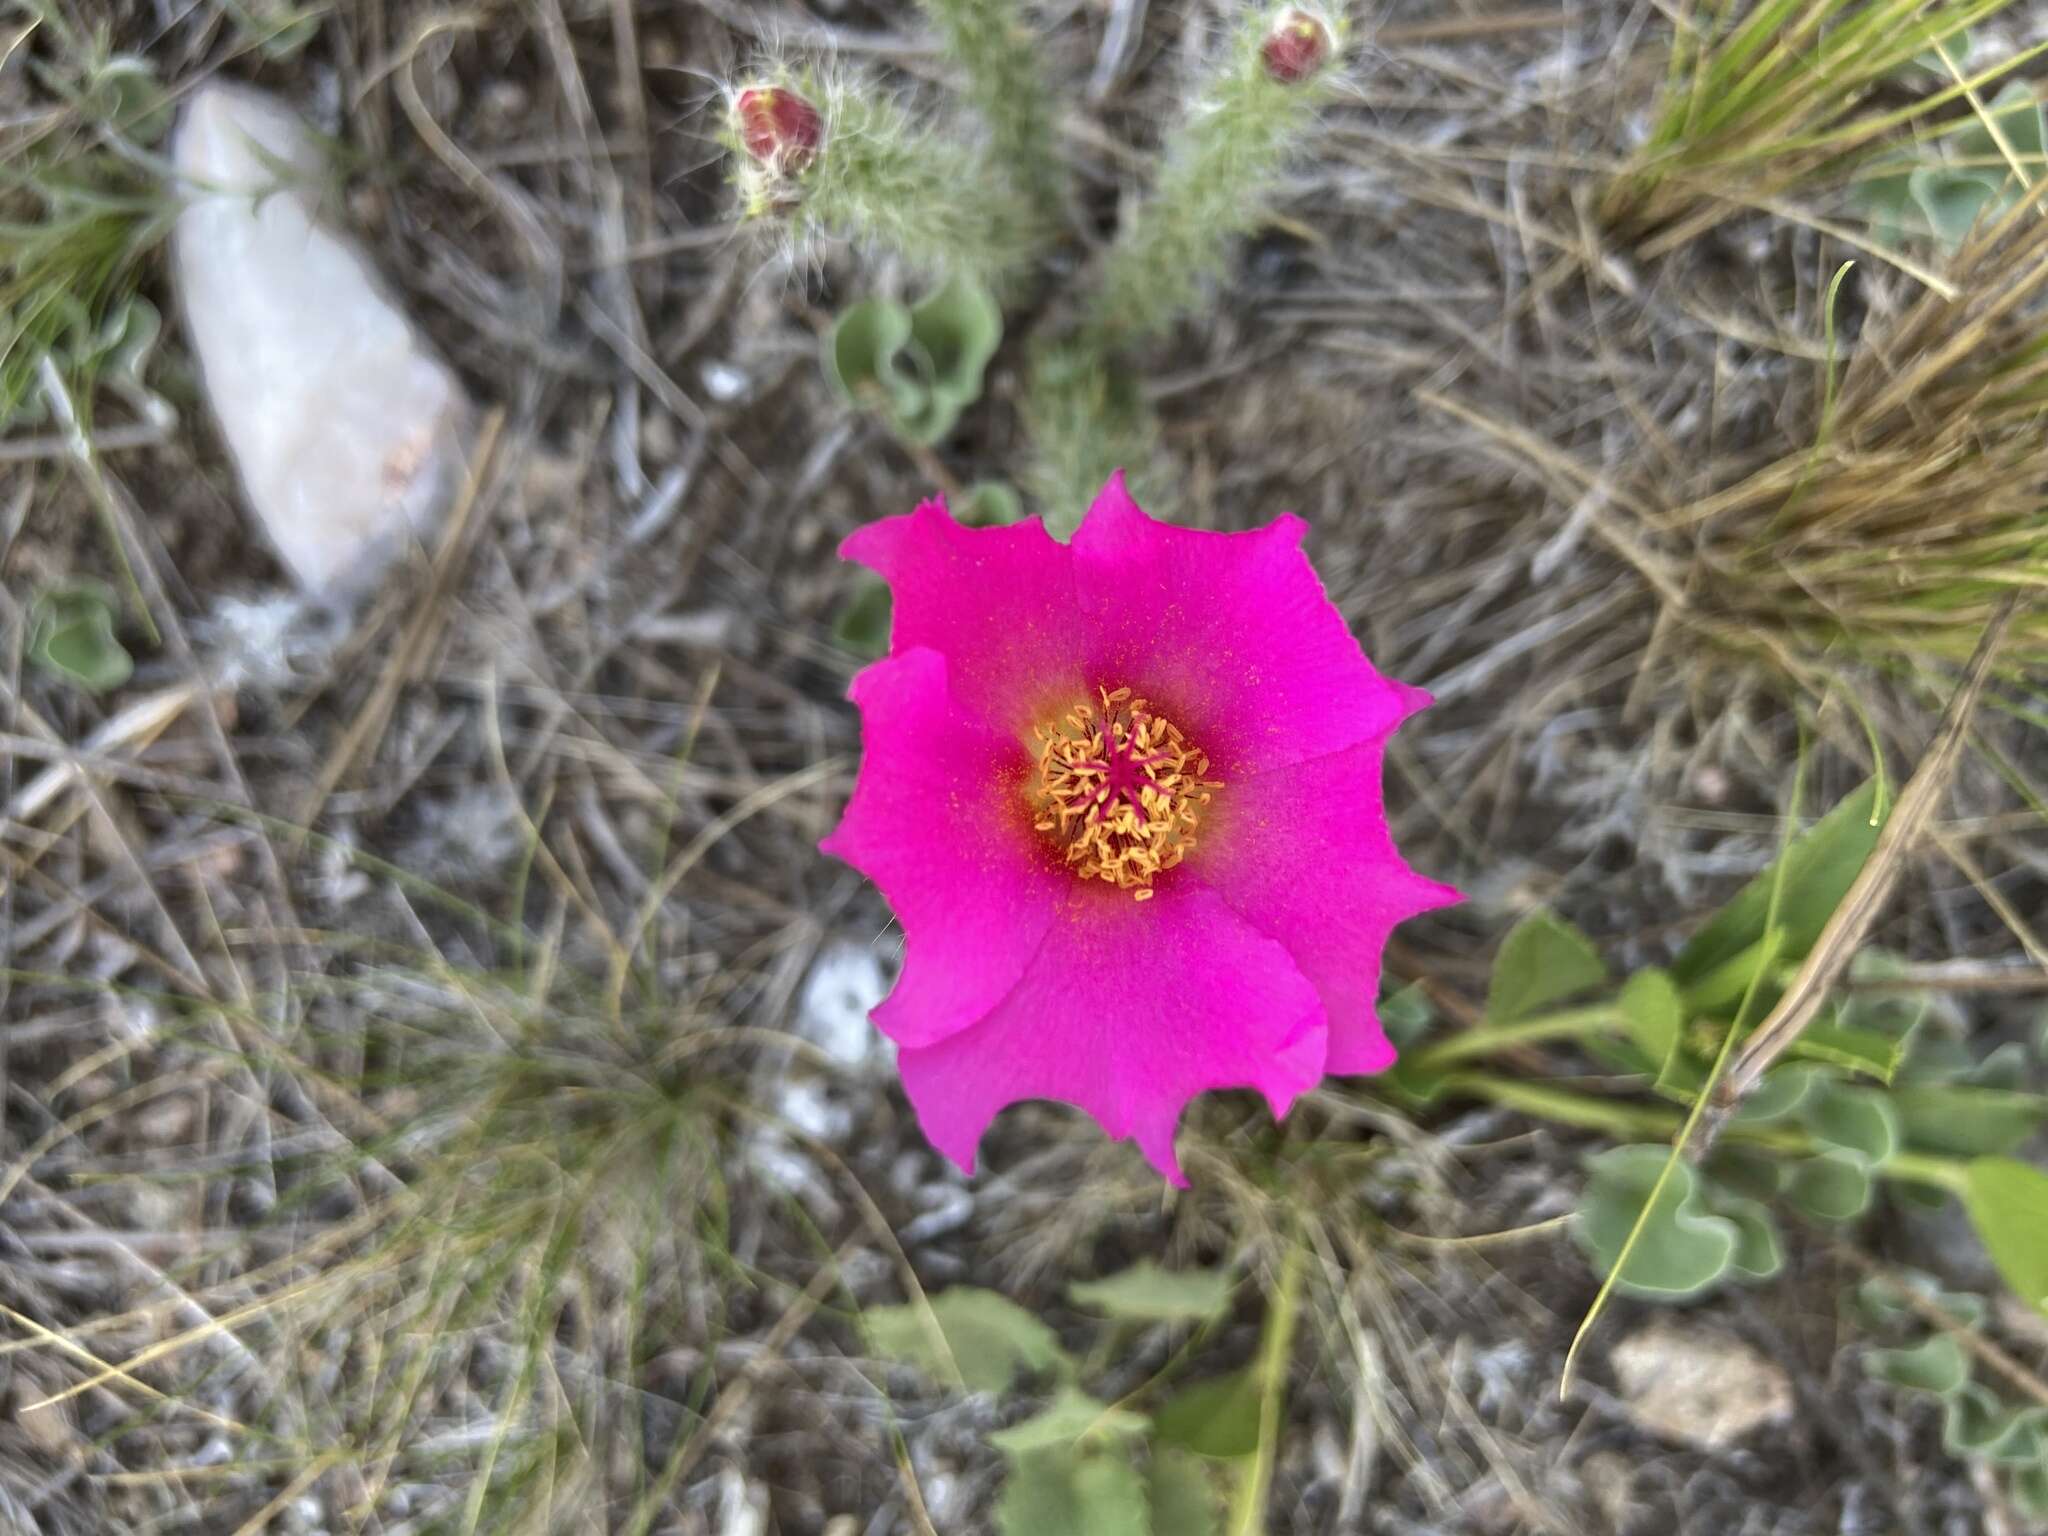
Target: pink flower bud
(778, 128)
(1297, 47)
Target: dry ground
(229, 1048)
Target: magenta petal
(1303, 853)
(937, 821)
(1229, 634)
(1129, 1010)
(998, 603)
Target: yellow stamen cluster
(1121, 789)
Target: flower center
(1120, 789)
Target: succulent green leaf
(1759, 1249)
(1747, 1172)
(1653, 1013)
(1965, 1121)
(2008, 1204)
(985, 1339)
(1543, 960)
(2018, 116)
(1858, 1120)
(1406, 1015)
(1784, 1092)
(1979, 1423)
(959, 325)
(1939, 1365)
(1060, 1492)
(1071, 1417)
(1953, 200)
(1218, 1417)
(1684, 1249)
(1184, 1501)
(1883, 198)
(862, 627)
(1865, 1051)
(990, 504)
(2030, 1490)
(71, 633)
(1836, 1185)
(1818, 868)
(1879, 1305)
(865, 357)
(1147, 1293)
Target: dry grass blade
(1851, 922)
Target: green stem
(1487, 1039)
(1629, 1122)
(1276, 1345)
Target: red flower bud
(1297, 46)
(778, 128)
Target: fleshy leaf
(985, 1339)
(1966, 1121)
(1218, 1417)
(1653, 1012)
(862, 627)
(864, 356)
(1683, 1250)
(1063, 1491)
(958, 327)
(1939, 1365)
(1071, 1417)
(1834, 1186)
(1759, 1249)
(1979, 1423)
(1750, 1172)
(1147, 1293)
(1543, 960)
(2018, 116)
(1819, 867)
(71, 633)
(2008, 1203)
(1783, 1093)
(1858, 1120)
(1184, 1501)
(1952, 201)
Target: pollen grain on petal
(1120, 790)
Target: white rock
(347, 430)
(1699, 1386)
(843, 987)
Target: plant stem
(1276, 1345)
(1625, 1121)
(1549, 1026)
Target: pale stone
(1698, 1386)
(348, 431)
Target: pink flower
(1295, 47)
(1124, 795)
(778, 128)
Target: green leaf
(1854, 1050)
(1834, 1186)
(1071, 1417)
(1979, 1423)
(1759, 1249)
(1748, 1172)
(1883, 198)
(866, 358)
(1653, 1013)
(1683, 1250)
(1939, 1365)
(1065, 1492)
(2008, 1203)
(1783, 1093)
(1184, 1501)
(1819, 867)
(959, 326)
(990, 504)
(1147, 1293)
(1218, 1417)
(1406, 1015)
(1858, 1120)
(1952, 200)
(71, 633)
(1543, 960)
(2018, 116)
(984, 1338)
(1966, 1121)
(862, 627)
(2030, 1490)
(1881, 1307)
